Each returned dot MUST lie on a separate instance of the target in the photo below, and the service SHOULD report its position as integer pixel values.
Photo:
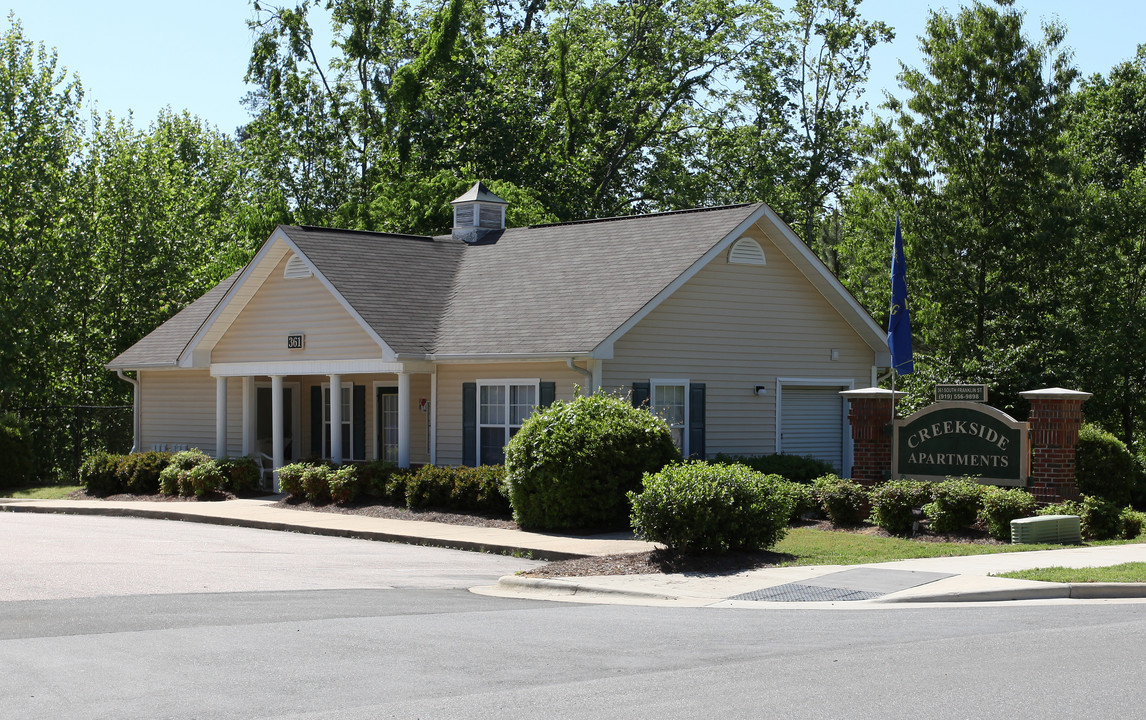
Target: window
(503, 405)
(347, 421)
(669, 400)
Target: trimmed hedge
(1104, 467)
(206, 478)
(1000, 506)
(241, 473)
(710, 508)
(893, 504)
(99, 474)
(955, 506)
(844, 501)
(797, 468)
(572, 464)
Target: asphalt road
(401, 638)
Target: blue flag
(899, 323)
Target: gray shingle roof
(564, 288)
(399, 284)
(163, 345)
(559, 289)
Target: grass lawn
(1134, 572)
(812, 546)
(49, 492)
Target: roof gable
(562, 289)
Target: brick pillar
(1056, 415)
(870, 416)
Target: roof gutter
(587, 373)
(135, 409)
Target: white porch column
(403, 420)
(277, 444)
(249, 406)
(220, 417)
(336, 419)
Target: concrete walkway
(954, 579)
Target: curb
(1051, 591)
(533, 553)
(571, 588)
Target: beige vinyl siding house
(718, 319)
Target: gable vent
(296, 269)
(746, 251)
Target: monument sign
(961, 439)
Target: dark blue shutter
(696, 421)
(358, 410)
(547, 393)
(316, 420)
(469, 424)
(641, 391)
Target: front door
(387, 425)
(263, 427)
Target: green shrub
(242, 473)
(140, 471)
(799, 496)
(1104, 467)
(1131, 523)
(344, 484)
(188, 459)
(169, 479)
(893, 504)
(844, 501)
(100, 474)
(797, 468)
(481, 489)
(1001, 506)
(18, 459)
(572, 464)
(702, 507)
(206, 478)
(955, 506)
(1101, 519)
(375, 477)
(290, 480)
(316, 484)
(429, 486)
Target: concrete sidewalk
(954, 579)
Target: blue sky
(142, 56)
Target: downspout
(583, 371)
(135, 410)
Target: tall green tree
(1107, 137)
(40, 131)
(974, 162)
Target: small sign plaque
(961, 393)
(296, 342)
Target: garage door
(812, 423)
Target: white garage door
(812, 423)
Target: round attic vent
(746, 251)
(296, 269)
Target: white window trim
(842, 384)
(346, 421)
(377, 454)
(506, 383)
(677, 382)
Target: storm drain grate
(796, 592)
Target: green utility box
(1065, 529)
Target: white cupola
(478, 213)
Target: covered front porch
(382, 411)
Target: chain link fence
(63, 435)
